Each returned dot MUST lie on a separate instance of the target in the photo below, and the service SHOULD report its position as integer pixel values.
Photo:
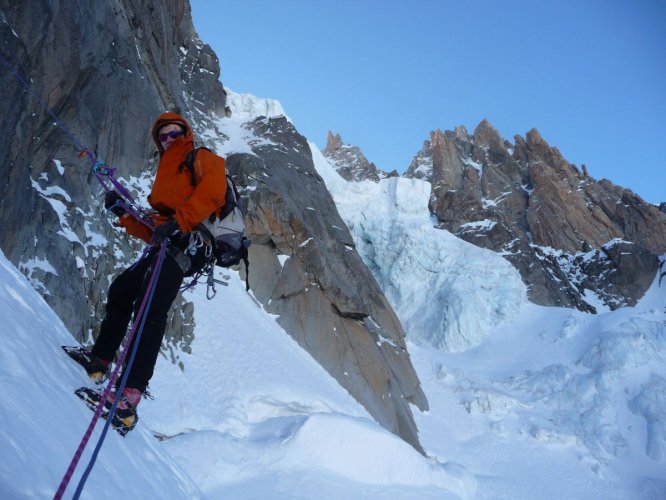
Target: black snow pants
(125, 296)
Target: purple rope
(151, 287)
(103, 173)
(98, 412)
(144, 254)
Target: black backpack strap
(188, 163)
(246, 261)
(231, 198)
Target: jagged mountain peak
(485, 129)
(439, 137)
(350, 162)
(490, 147)
(333, 142)
(534, 138)
(460, 132)
(561, 228)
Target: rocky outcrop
(350, 162)
(314, 280)
(106, 86)
(557, 225)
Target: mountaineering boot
(92, 397)
(125, 417)
(96, 368)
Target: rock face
(106, 86)
(324, 295)
(350, 162)
(570, 236)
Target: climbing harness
(209, 271)
(196, 243)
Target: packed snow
(232, 135)
(525, 401)
(252, 415)
(246, 107)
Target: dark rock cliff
(323, 293)
(107, 69)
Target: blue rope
(126, 371)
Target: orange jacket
(172, 193)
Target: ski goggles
(173, 134)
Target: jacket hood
(167, 118)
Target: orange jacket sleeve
(209, 193)
(135, 228)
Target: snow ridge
(246, 107)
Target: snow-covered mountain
(557, 390)
(247, 107)
(291, 391)
(537, 403)
(576, 241)
(106, 89)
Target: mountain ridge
(577, 242)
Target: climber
(178, 208)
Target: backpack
(225, 231)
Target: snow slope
(42, 422)
(251, 416)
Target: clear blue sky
(590, 75)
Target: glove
(111, 199)
(164, 231)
